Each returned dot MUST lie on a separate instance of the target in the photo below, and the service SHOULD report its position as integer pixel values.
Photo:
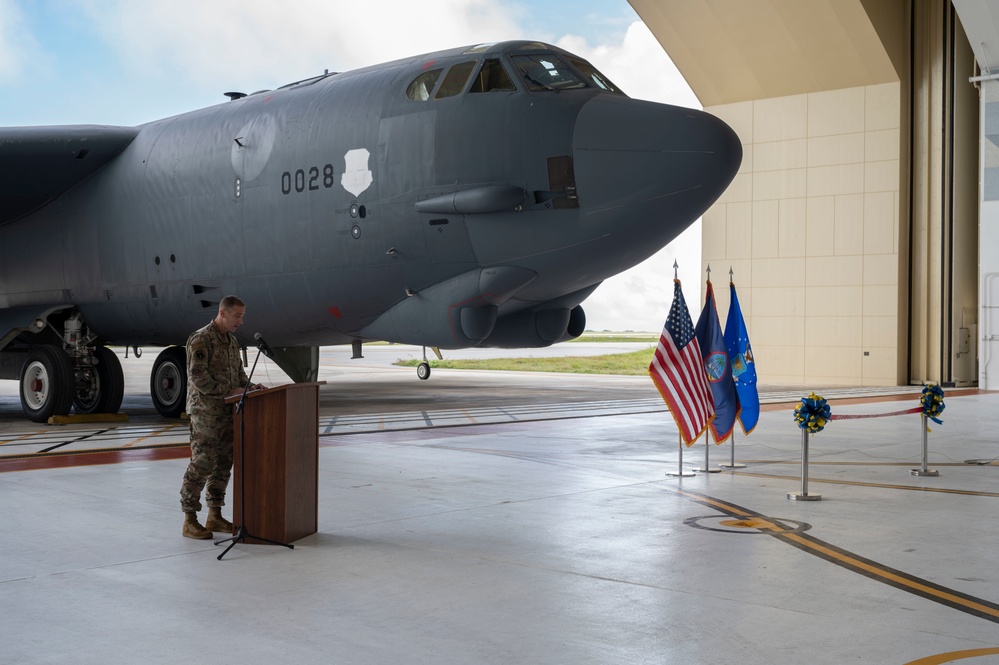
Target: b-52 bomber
(469, 197)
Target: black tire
(168, 382)
(46, 383)
(423, 371)
(109, 389)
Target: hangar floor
(538, 538)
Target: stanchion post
(804, 495)
(733, 465)
(924, 471)
(707, 446)
(679, 468)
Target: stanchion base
(798, 496)
(701, 470)
(920, 472)
(733, 466)
(681, 474)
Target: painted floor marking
(860, 483)
(942, 658)
(955, 599)
(160, 432)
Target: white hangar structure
(863, 226)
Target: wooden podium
(276, 467)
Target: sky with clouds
(122, 62)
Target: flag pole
(674, 370)
(737, 341)
(733, 465)
(679, 468)
(707, 446)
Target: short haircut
(229, 302)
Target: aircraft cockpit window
(547, 72)
(455, 79)
(492, 77)
(481, 48)
(421, 87)
(596, 78)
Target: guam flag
(743, 367)
(716, 365)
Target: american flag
(678, 372)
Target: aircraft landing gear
(423, 369)
(46, 383)
(74, 371)
(168, 382)
(100, 387)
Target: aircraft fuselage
(480, 209)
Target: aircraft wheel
(423, 371)
(168, 382)
(46, 383)
(104, 388)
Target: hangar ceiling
(732, 51)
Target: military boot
(216, 522)
(192, 529)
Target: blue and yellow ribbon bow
(812, 414)
(932, 402)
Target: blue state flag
(743, 366)
(716, 364)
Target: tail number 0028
(307, 180)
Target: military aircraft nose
(650, 169)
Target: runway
(504, 517)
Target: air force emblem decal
(356, 176)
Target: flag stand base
(733, 464)
(798, 496)
(680, 473)
(707, 463)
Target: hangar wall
(852, 227)
(810, 229)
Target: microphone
(262, 345)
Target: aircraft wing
(37, 164)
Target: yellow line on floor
(895, 579)
(942, 658)
(858, 483)
(149, 436)
(22, 437)
(872, 569)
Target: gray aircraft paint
(342, 211)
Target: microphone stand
(241, 532)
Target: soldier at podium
(214, 371)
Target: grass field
(635, 363)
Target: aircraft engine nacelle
(453, 314)
(537, 328)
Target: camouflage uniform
(214, 371)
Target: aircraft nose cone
(651, 167)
